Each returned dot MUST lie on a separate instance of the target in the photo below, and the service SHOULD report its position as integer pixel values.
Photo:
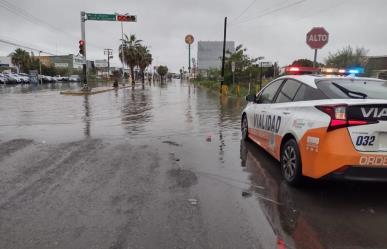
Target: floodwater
(160, 166)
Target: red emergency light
(301, 70)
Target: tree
(162, 71)
(130, 47)
(144, 60)
(21, 59)
(348, 57)
(303, 63)
(245, 67)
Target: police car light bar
(348, 71)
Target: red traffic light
(125, 18)
(82, 47)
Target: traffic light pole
(84, 64)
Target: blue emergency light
(355, 70)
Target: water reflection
(136, 111)
(86, 118)
(320, 214)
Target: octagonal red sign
(317, 37)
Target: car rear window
(353, 88)
(306, 93)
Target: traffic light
(126, 18)
(82, 47)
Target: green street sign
(100, 17)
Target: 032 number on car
(365, 140)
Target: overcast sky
(275, 29)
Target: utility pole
(224, 53)
(40, 70)
(233, 72)
(109, 53)
(84, 66)
(260, 77)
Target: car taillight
(339, 117)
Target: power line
(16, 10)
(244, 11)
(26, 15)
(335, 5)
(273, 11)
(23, 46)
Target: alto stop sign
(317, 37)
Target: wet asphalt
(160, 166)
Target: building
(6, 63)
(102, 67)
(72, 62)
(210, 54)
(378, 66)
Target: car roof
(311, 80)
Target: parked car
(74, 78)
(12, 79)
(61, 78)
(3, 79)
(24, 77)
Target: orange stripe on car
(262, 138)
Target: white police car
(320, 126)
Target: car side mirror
(251, 98)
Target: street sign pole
(189, 39)
(84, 64)
(189, 58)
(315, 58)
(316, 39)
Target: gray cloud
(278, 35)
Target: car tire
(245, 128)
(291, 165)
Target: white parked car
(13, 78)
(74, 78)
(25, 77)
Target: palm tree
(162, 71)
(21, 59)
(130, 47)
(145, 59)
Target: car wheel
(291, 163)
(245, 128)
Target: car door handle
(286, 113)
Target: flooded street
(160, 166)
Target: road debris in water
(193, 201)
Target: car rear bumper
(360, 174)
(331, 153)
